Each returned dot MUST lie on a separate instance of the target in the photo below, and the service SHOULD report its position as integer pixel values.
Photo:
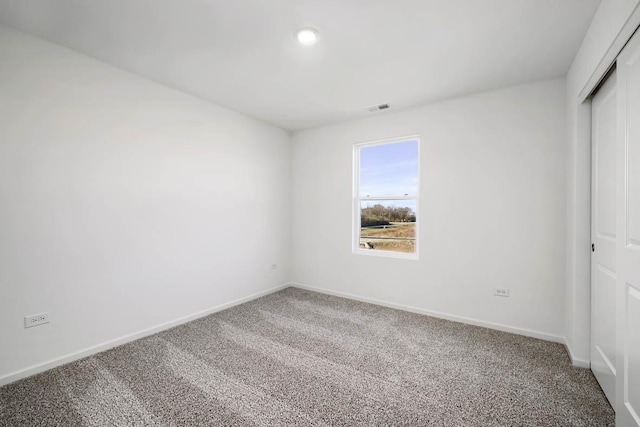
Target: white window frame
(357, 200)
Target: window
(386, 178)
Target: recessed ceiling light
(307, 36)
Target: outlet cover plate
(36, 319)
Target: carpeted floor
(302, 358)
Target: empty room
(320, 213)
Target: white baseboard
(461, 319)
(576, 361)
(45, 366)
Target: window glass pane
(388, 225)
(389, 169)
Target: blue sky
(389, 170)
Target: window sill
(386, 254)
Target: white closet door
(604, 235)
(628, 230)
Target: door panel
(632, 353)
(605, 160)
(628, 245)
(603, 231)
(604, 322)
(632, 181)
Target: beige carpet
(302, 358)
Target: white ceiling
(242, 53)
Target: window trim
(356, 200)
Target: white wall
(125, 204)
(609, 30)
(491, 209)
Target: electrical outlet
(274, 266)
(36, 319)
(501, 292)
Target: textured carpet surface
(301, 358)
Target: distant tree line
(383, 215)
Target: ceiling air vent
(380, 107)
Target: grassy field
(372, 236)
